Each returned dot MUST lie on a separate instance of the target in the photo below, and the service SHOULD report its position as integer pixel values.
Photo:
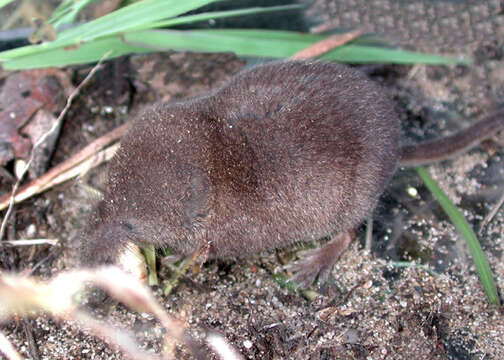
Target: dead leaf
(26, 97)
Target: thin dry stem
(77, 165)
(121, 339)
(7, 349)
(22, 295)
(323, 46)
(221, 347)
(30, 242)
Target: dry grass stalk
(23, 296)
(7, 349)
(89, 157)
(323, 46)
(31, 242)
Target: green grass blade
(359, 54)
(356, 52)
(66, 12)
(468, 234)
(85, 53)
(276, 44)
(130, 17)
(149, 253)
(221, 14)
(5, 2)
(273, 44)
(139, 14)
(215, 41)
(258, 43)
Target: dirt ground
(371, 308)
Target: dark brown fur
(281, 153)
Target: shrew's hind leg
(320, 261)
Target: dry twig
(31, 242)
(323, 46)
(78, 164)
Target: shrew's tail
(450, 146)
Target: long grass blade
(256, 43)
(138, 15)
(5, 2)
(66, 12)
(81, 54)
(182, 20)
(468, 234)
(130, 17)
(274, 44)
